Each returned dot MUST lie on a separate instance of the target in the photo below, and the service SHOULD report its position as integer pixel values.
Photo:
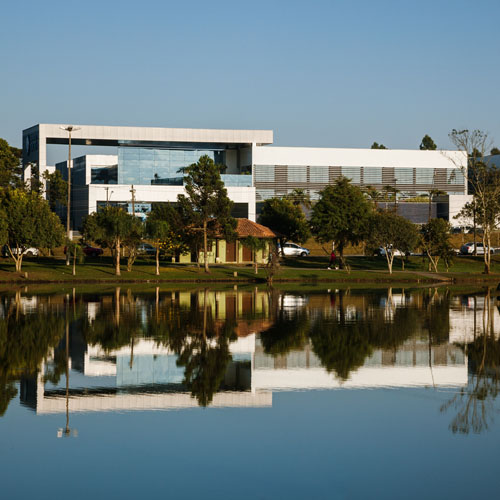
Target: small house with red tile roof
(234, 252)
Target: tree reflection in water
(343, 330)
(475, 403)
(25, 341)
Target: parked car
(29, 252)
(294, 250)
(381, 252)
(468, 249)
(146, 248)
(92, 251)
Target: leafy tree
(436, 241)
(427, 144)
(30, 223)
(4, 228)
(207, 203)
(109, 228)
(11, 174)
(75, 250)
(254, 244)
(57, 189)
(495, 151)
(342, 215)
(286, 219)
(376, 145)
(132, 240)
(157, 230)
(484, 183)
(392, 232)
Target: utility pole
(133, 200)
(69, 129)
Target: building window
(318, 175)
(424, 175)
(403, 175)
(297, 173)
(454, 176)
(353, 173)
(264, 173)
(264, 194)
(372, 175)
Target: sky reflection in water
(339, 394)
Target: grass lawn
(307, 270)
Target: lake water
(249, 393)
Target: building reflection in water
(234, 348)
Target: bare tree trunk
(74, 262)
(256, 264)
(205, 246)
(487, 255)
(117, 261)
(390, 259)
(158, 260)
(18, 257)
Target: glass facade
(104, 175)
(143, 166)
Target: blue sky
(319, 73)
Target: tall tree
(286, 219)
(157, 230)
(56, 189)
(436, 241)
(11, 174)
(30, 223)
(109, 228)
(392, 232)
(376, 145)
(483, 178)
(427, 144)
(207, 202)
(341, 215)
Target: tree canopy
(392, 232)
(427, 144)
(10, 166)
(286, 219)
(436, 241)
(109, 228)
(341, 215)
(376, 145)
(207, 205)
(29, 222)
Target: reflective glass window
(264, 173)
(297, 173)
(318, 174)
(424, 175)
(403, 175)
(353, 173)
(372, 175)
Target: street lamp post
(69, 129)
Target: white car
(29, 252)
(294, 250)
(468, 249)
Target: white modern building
(150, 159)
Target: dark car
(146, 248)
(92, 251)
